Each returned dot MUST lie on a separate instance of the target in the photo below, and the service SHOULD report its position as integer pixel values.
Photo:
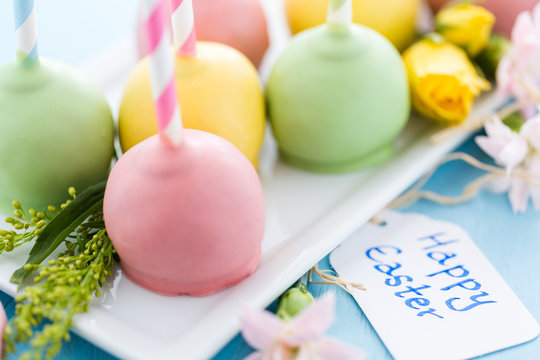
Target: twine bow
(416, 193)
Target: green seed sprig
(63, 287)
(24, 226)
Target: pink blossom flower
(519, 191)
(505, 146)
(531, 132)
(520, 151)
(302, 338)
(520, 65)
(534, 169)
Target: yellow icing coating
(219, 92)
(395, 19)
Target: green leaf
(514, 121)
(94, 225)
(491, 56)
(80, 243)
(64, 223)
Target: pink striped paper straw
(162, 76)
(183, 25)
(340, 14)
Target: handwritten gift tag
(431, 293)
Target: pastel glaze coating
(337, 101)
(56, 131)
(237, 23)
(185, 220)
(218, 90)
(396, 20)
(505, 11)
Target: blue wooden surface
(511, 242)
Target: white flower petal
(261, 329)
(499, 185)
(314, 321)
(520, 65)
(529, 111)
(535, 196)
(536, 18)
(514, 153)
(332, 349)
(519, 195)
(504, 79)
(534, 170)
(496, 129)
(523, 26)
(489, 146)
(531, 131)
(305, 353)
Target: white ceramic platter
(308, 215)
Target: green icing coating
(338, 99)
(26, 60)
(56, 131)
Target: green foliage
(514, 121)
(24, 226)
(73, 214)
(65, 286)
(488, 60)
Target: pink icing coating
(185, 220)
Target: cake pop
(237, 23)
(338, 96)
(218, 89)
(396, 20)
(184, 209)
(56, 128)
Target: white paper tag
(431, 293)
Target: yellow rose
(443, 80)
(465, 25)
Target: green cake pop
(338, 96)
(56, 128)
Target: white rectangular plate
(308, 215)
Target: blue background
(72, 31)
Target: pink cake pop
(185, 213)
(240, 24)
